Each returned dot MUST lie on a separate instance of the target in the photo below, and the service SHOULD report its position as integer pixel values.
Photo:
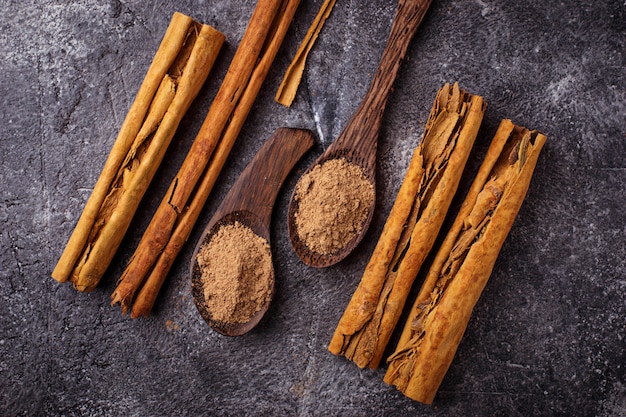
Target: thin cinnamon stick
(147, 295)
(177, 198)
(291, 80)
(409, 233)
(463, 264)
(178, 71)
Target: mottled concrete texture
(547, 338)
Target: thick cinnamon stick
(464, 263)
(291, 80)
(178, 71)
(411, 228)
(147, 295)
(177, 198)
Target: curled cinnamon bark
(288, 87)
(463, 264)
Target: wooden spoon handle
(257, 187)
(364, 125)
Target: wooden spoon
(250, 202)
(358, 141)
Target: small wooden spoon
(250, 202)
(358, 141)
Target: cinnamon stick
(147, 295)
(178, 71)
(291, 80)
(179, 196)
(409, 233)
(464, 263)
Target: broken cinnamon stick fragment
(179, 68)
(409, 233)
(286, 92)
(181, 205)
(463, 264)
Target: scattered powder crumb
(171, 326)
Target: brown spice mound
(237, 273)
(334, 199)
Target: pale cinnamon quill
(179, 68)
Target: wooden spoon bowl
(250, 202)
(308, 256)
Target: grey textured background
(547, 336)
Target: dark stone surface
(547, 336)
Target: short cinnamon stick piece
(291, 80)
(180, 66)
(411, 228)
(464, 263)
(179, 197)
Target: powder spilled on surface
(334, 200)
(237, 273)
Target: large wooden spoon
(358, 141)
(250, 202)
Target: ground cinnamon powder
(334, 199)
(237, 273)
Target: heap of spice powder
(237, 273)
(334, 200)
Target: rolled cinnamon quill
(411, 228)
(463, 264)
(179, 68)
